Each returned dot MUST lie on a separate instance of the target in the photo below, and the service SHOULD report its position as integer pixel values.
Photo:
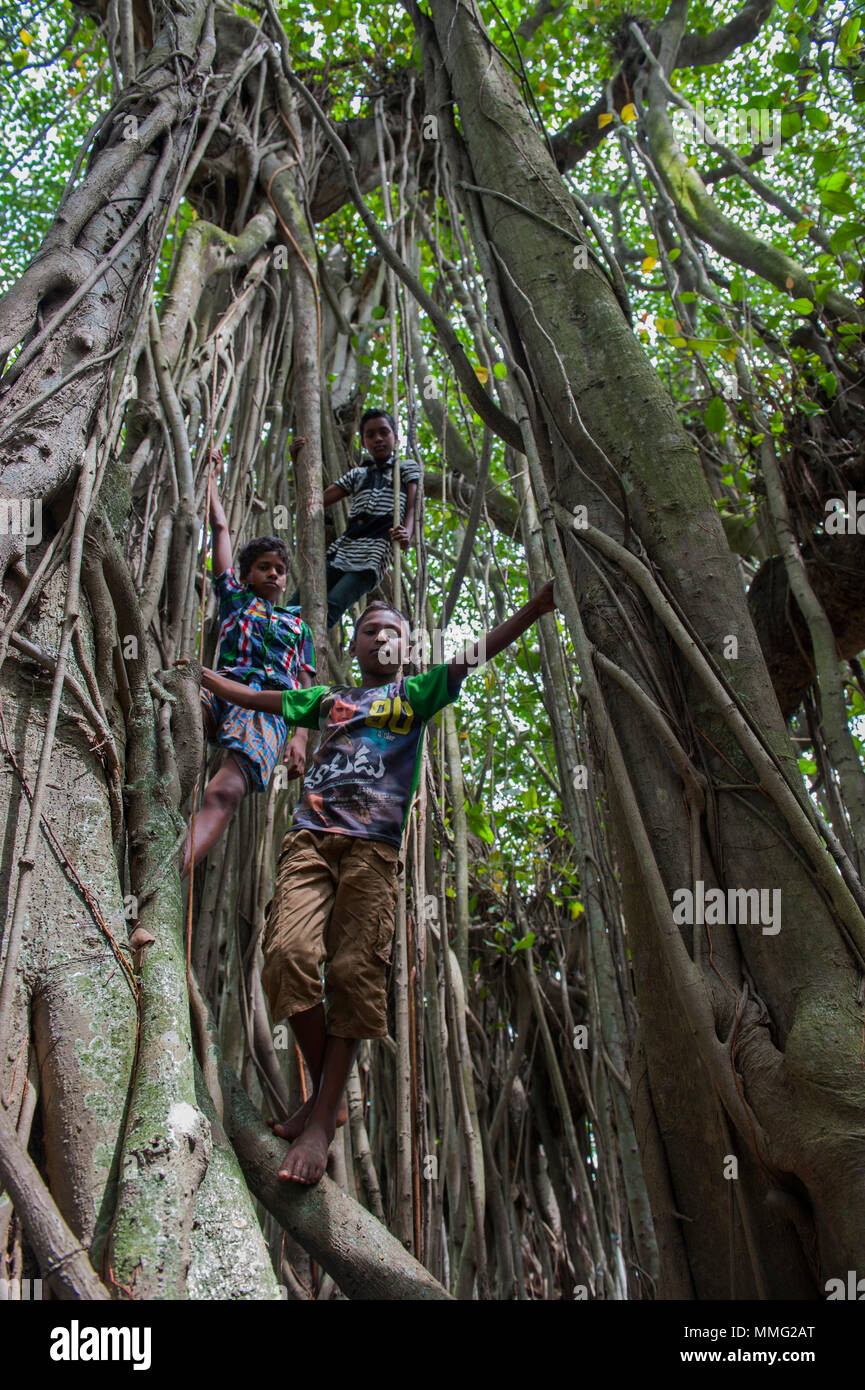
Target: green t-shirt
(366, 768)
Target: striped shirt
(365, 543)
(259, 643)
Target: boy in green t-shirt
(337, 876)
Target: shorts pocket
(385, 929)
(383, 859)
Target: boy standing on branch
(358, 559)
(267, 648)
(338, 870)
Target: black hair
(379, 604)
(376, 413)
(260, 546)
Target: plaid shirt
(259, 643)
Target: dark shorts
(256, 739)
(344, 587)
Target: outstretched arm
(502, 636)
(219, 531)
(236, 694)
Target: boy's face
(379, 439)
(379, 644)
(267, 576)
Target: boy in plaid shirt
(263, 647)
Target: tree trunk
(611, 442)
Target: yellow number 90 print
(395, 713)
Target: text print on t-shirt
(395, 714)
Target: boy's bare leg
(310, 1029)
(222, 796)
(306, 1160)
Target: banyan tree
(605, 268)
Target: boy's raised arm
(219, 532)
(502, 636)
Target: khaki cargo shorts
(332, 908)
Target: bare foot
(306, 1160)
(293, 1127)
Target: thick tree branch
(62, 1260)
(359, 1254)
(500, 508)
(482, 402)
(699, 50)
(836, 572)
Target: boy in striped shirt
(264, 647)
(357, 560)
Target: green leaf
(715, 417)
(787, 62)
(836, 201)
(379, 311)
(478, 824)
(847, 232)
(499, 370)
(818, 120)
(803, 306)
(524, 942)
(849, 33)
(839, 180)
